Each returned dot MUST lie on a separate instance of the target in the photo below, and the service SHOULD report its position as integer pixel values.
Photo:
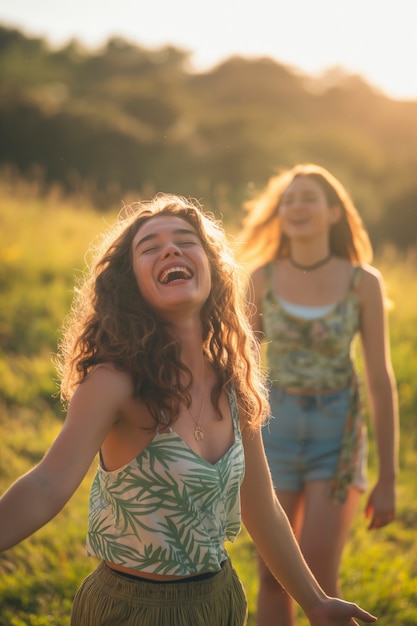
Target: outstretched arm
(271, 532)
(38, 496)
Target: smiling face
(170, 265)
(304, 210)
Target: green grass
(379, 568)
(42, 245)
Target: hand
(335, 612)
(380, 507)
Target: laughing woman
(160, 371)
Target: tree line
(123, 121)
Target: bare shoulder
(93, 412)
(371, 273)
(105, 385)
(107, 374)
(371, 284)
(371, 276)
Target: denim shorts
(303, 438)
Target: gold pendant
(198, 433)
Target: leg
(323, 550)
(274, 605)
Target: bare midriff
(148, 575)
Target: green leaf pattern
(169, 511)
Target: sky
(373, 38)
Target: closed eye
(188, 243)
(307, 197)
(150, 249)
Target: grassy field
(42, 245)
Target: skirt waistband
(187, 579)
(136, 589)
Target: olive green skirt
(107, 598)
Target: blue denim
(303, 438)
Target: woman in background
(312, 292)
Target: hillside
(123, 121)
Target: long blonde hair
(110, 321)
(262, 239)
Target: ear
(335, 213)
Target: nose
(171, 250)
(296, 205)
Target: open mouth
(173, 274)
(299, 220)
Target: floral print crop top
(310, 353)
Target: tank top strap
(163, 424)
(356, 276)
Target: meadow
(42, 247)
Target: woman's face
(304, 210)
(171, 266)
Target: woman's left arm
(267, 524)
(382, 394)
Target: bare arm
(271, 532)
(36, 497)
(382, 394)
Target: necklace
(313, 266)
(198, 429)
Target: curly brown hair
(262, 237)
(110, 321)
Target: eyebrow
(177, 231)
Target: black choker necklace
(313, 266)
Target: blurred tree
(123, 121)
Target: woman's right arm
(37, 496)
